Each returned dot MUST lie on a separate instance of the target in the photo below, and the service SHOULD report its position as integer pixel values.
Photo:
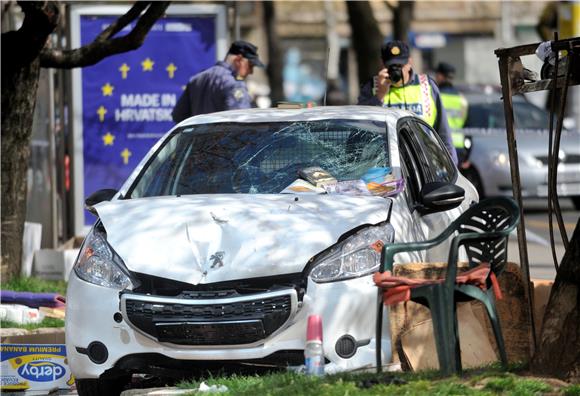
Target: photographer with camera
(396, 85)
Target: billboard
(123, 104)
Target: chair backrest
(493, 215)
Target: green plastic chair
(483, 230)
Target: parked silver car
(489, 169)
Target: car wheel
(472, 175)
(576, 202)
(102, 386)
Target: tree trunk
(20, 73)
(366, 39)
(402, 17)
(18, 101)
(275, 62)
(558, 351)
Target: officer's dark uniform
(217, 88)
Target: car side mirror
(440, 196)
(105, 194)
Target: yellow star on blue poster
(107, 89)
(147, 64)
(108, 139)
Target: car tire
(472, 175)
(102, 386)
(576, 202)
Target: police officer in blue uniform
(222, 86)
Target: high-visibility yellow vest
(456, 108)
(458, 139)
(415, 97)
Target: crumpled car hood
(216, 238)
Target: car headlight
(467, 143)
(100, 265)
(356, 256)
(501, 159)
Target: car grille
(568, 159)
(227, 321)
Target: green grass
(46, 322)
(572, 390)
(513, 385)
(489, 381)
(35, 285)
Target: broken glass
(261, 157)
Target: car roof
(372, 113)
(485, 93)
(492, 98)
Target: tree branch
(102, 46)
(123, 21)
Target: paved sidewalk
(539, 257)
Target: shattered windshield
(260, 157)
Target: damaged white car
(222, 242)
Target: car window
(410, 170)
(528, 116)
(260, 157)
(491, 115)
(434, 159)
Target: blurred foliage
(46, 322)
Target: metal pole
(506, 87)
(236, 21)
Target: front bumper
(347, 308)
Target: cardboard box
(542, 291)
(512, 310)
(419, 348)
(54, 264)
(34, 361)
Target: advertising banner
(126, 99)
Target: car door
(425, 159)
(404, 214)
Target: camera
(395, 73)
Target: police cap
(247, 50)
(446, 69)
(395, 52)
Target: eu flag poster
(127, 98)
